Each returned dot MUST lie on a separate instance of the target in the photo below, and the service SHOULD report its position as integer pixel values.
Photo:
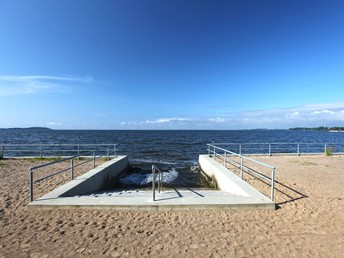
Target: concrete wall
(226, 180)
(93, 180)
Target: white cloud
(329, 112)
(165, 120)
(19, 85)
(309, 115)
(217, 120)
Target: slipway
(86, 191)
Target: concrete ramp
(234, 193)
(226, 180)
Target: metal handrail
(298, 148)
(71, 168)
(212, 149)
(48, 150)
(154, 169)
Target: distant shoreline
(320, 128)
(27, 128)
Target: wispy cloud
(20, 85)
(307, 115)
(160, 123)
(165, 120)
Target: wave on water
(179, 163)
(151, 161)
(144, 179)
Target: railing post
(325, 149)
(94, 159)
(72, 169)
(114, 149)
(241, 167)
(78, 152)
(41, 151)
(224, 159)
(2, 152)
(273, 185)
(269, 149)
(153, 182)
(298, 149)
(31, 185)
(240, 149)
(108, 153)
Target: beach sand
(309, 221)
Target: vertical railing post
(2, 155)
(224, 158)
(208, 150)
(153, 182)
(240, 149)
(72, 169)
(298, 149)
(94, 159)
(108, 153)
(273, 185)
(269, 149)
(241, 167)
(114, 149)
(41, 151)
(78, 152)
(31, 185)
(325, 148)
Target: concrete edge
(162, 207)
(91, 181)
(228, 181)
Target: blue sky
(78, 64)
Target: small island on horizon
(320, 128)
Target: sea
(176, 151)
(167, 148)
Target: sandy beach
(309, 220)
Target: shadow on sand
(286, 193)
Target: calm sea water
(171, 149)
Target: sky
(181, 64)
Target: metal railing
(284, 148)
(155, 170)
(70, 168)
(57, 150)
(226, 156)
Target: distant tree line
(27, 128)
(320, 128)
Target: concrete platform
(84, 192)
(165, 200)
